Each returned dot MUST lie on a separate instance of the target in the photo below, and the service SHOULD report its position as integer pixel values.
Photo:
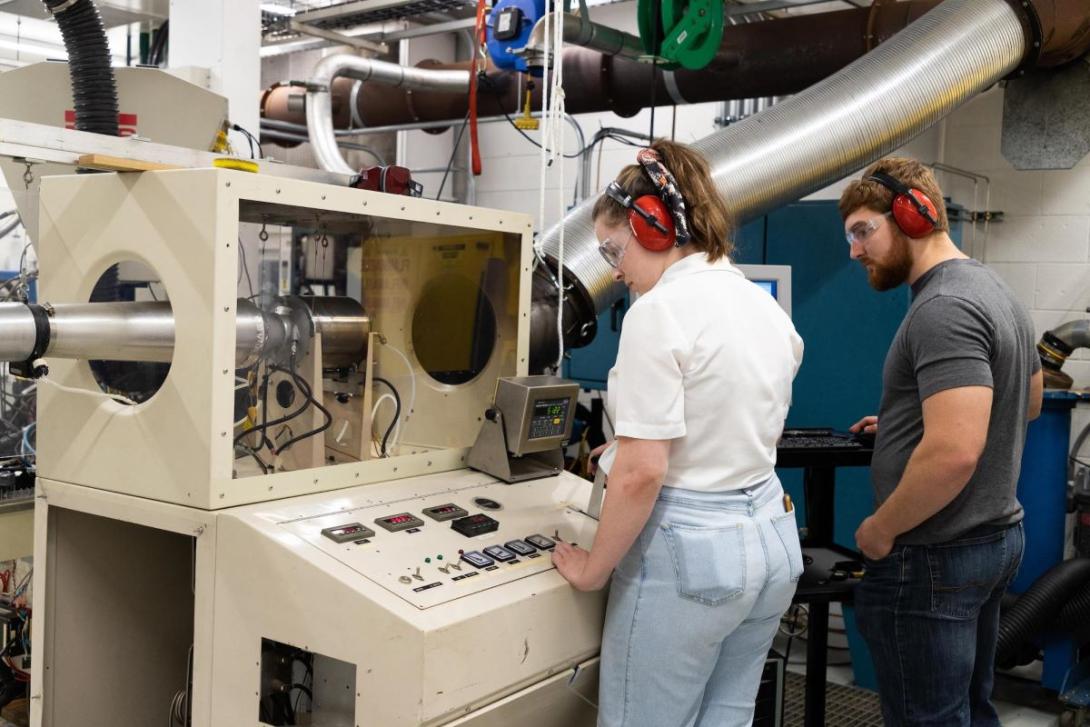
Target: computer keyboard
(818, 439)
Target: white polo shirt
(706, 360)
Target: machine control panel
(500, 553)
(348, 533)
(399, 522)
(549, 418)
(447, 511)
(520, 547)
(473, 525)
(540, 541)
(477, 559)
(437, 564)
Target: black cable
(251, 139)
(265, 424)
(309, 393)
(304, 689)
(397, 414)
(656, 8)
(453, 153)
(484, 81)
(155, 55)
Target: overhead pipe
(580, 30)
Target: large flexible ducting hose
(1038, 609)
(94, 89)
(854, 117)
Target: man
(960, 383)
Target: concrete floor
(1010, 715)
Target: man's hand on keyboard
(866, 425)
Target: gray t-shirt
(964, 328)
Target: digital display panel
(446, 511)
(400, 521)
(548, 418)
(350, 531)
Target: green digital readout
(549, 418)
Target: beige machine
(180, 578)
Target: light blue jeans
(693, 608)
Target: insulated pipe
(320, 105)
(828, 131)
(128, 331)
(763, 58)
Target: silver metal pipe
(17, 332)
(112, 331)
(866, 110)
(127, 331)
(320, 105)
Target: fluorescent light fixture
(274, 9)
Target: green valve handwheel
(688, 33)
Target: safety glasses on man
(861, 231)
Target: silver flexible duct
(320, 105)
(854, 117)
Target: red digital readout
(444, 510)
(399, 519)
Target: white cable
(557, 143)
(412, 379)
(397, 425)
(88, 392)
(545, 127)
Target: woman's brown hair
(709, 220)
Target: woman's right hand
(866, 425)
(595, 454)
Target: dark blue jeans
(930, 616)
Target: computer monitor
(773, 279)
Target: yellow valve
(526, 122)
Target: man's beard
(895, 269)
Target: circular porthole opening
(146, 328)
(454, 329)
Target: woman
(696, 532)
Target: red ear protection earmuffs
(651, 223)
(658, 220)
(913, 212)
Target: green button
(439, 557)
(427, 560)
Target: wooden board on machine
(119, 164)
